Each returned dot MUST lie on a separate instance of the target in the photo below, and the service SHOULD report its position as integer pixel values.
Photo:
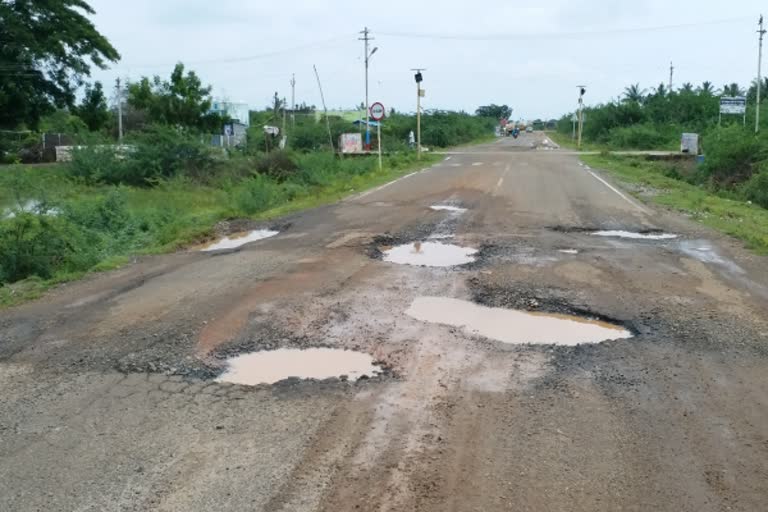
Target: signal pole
(419, 93)
(582, 92)
(119, 112)
(761, 31)
(293, 101)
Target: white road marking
(448, 157)
(500, 183)
(382, 187)
(477, 164)
(501, 180)
(618, 192)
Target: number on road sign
(378, 112)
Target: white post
(418, 119)
(378, 134)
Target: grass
(739, 219)
(179, 212)
(567, 142)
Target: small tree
(494, 111)
(94, 110)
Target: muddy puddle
(515, 327)
(239, 239)
(274, 366)
(430, 254)
(572, 252)
(633, 235)
(447, 208)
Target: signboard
(351, 143)
(378, 112)
(690, 143)
(733, 105)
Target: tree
(494, 111)
(660, 91)
(733, 90)
(94, 110)
(687, 88)
(634, 94)
(183, 101)
(707, 89)
(46, 52)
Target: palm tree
(687, 87)
(634, 94)
(661, 90)
(733, 90)
(707, 89)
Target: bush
(256, 195)
(39, 245)
(756, 189)
(732, 154)
(279, 165)
(639, 136)
(155, 154)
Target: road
(108, 401)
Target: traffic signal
(419, 78)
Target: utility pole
(325, 109)
(761, 31)
(293, 101)
(671, 75)
(419, 94)
(368, 54)
(285, 115)
(582, 92)
(119, 112)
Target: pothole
(430, 254)
(240, 239)
(447, 208)
(270, 367)
(513, 326)
(641, 235)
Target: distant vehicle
(529, 129)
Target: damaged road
(113, 393)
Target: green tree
(494, 111)
(182, 101)
(47, 49)
(706, 89)
(94, 110)
(634, 94)
(733, 90)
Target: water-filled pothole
(515, 327)
(273, 366)
(648, 235)
(447, 208)
(430, 254)
(240, 239)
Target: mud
(430, 254)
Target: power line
(558, 35)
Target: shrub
(756, 189)
(256, 195)
(279, 165)
(639, 136)
(732, 153)
(39, 245)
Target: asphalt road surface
(108, 403)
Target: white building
(239, 112)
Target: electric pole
(119, 112)
(419, 94)
(761, 31)
(582, 92)
(368, 54)
(671, 75)
(293, 101)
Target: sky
(530, 56)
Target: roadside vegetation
(726, 189)
(166, 186)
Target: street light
(419, 93)
(368, 56)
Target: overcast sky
(528, 55)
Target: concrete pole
(119, 112)
(760, 31)
(293, 101)
(378, 135)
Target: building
(240, 113)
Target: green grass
(744, 221)
(567, 142)
(181, 212)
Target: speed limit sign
(378, 112)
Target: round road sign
(378, 112)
